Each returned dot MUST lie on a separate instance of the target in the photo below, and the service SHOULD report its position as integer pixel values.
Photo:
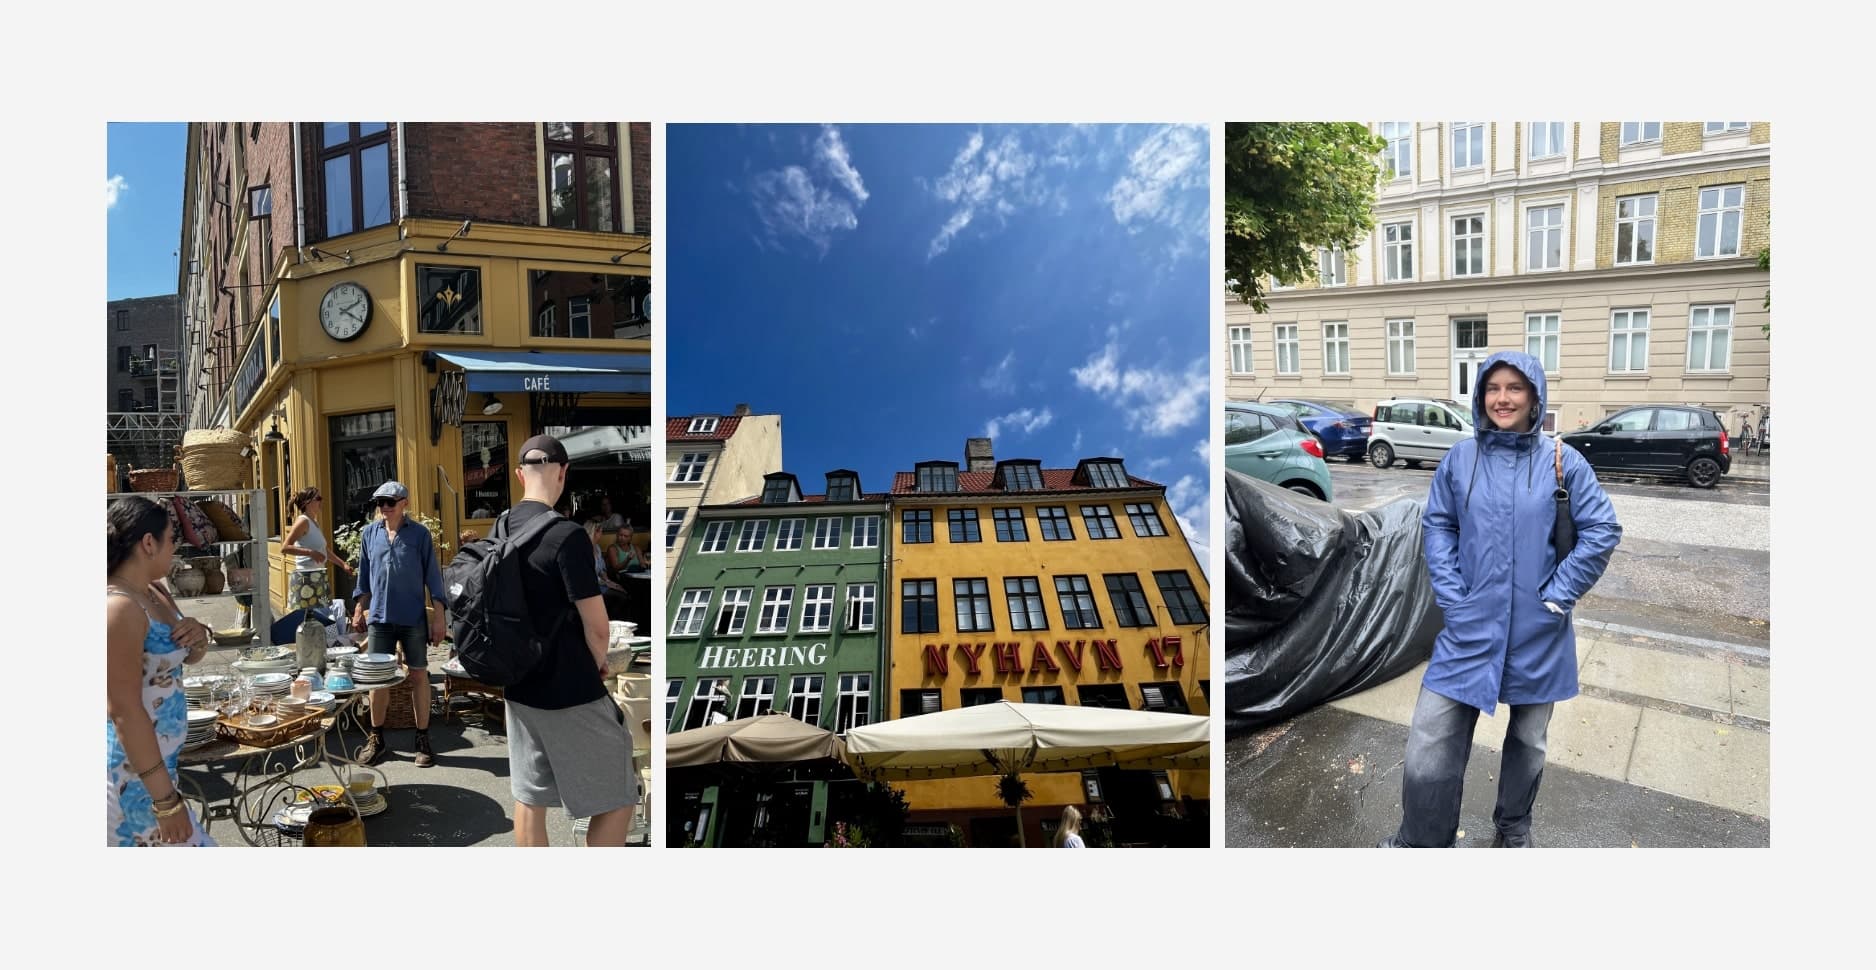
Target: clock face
(345, 311)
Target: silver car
(1415, 430)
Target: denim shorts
(386, 637)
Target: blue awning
(559, 372)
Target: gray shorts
(579, 758)
(387, 637)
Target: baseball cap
(548, 445)
(394, 490)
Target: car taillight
(1312, 446)
(1340, 426)
(1725, 447)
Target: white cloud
(1099, 374)
(997, 380)
(990, 179)
(1075, 449)
(1204, 450)
(1190, 500)
(114, 187)
(833, 155)
(793, 201)
(1167, 181)
(1026, 421)
(1156, 402)
(1155, 464)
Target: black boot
(1502, 841)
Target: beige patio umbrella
(769, 739)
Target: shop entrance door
(1468, 354)
(1133, 802)
(364, 456)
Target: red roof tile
(677, 429)
(978, 483)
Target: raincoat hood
(1533, 371)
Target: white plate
(377, 658)
(201, 717)
(320, 697)
(262, 720)
(263, 680)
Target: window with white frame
(703, 701)
(1397, 248)
(1543, 335)
(804, 698)
(1628, 342)
(735, 611)
(1400, 347)
(702, 426)
(1240, 350)
(1398, 157)
(866, 532)
(1546, 139)
(827, 533)
(1634, 230)
(673, 689)
(1721, 209)
(788, 534)
(817, 609)
(1469, 245)
(1468, 144)
(1543, 237)
(1288, 359)
(716, 537)
(1331, 266)
(1335, 348)
(1724, 127)
(1710, 338)
(1640, 132)
(673, 523)
(856, 702)
(757, 698)
(690, 613)
(690, 468)
(862, 598)
(579, 316)
(754, 536)
(777, 601)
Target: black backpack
(496, 640)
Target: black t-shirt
(558, 572)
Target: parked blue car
(1342, 431)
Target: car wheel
(1703, 472)
(1305, 488)
(1380, 455)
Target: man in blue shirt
(397, 561)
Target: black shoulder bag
(1563, 537)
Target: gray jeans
(1438, 745)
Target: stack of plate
(322, 699)
(374, 668)
(273, 685)
(340, 658)
(196, 689)
(274, 660)
(370, 800)
(201, 729)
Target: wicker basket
(153, 479)
(211, 458)
(286, 729)
(398, 712)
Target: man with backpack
(568, 743)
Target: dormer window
(1022, 476)
(703, 426)
(1107, 474)
(841, 488)
(938, 477)
(780, 489)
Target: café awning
(991, 739)
(557, 372)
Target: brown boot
(373, 749)
(425, 757)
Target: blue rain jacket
(1488, 526)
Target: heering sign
(718, 656)
(1007, 657)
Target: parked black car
(1658, 439)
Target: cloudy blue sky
(891, 290)
(143, 207)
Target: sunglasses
(385, 503)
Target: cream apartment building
(713, 459)
(1623, 254)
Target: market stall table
(264, 781)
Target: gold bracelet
(171, 811)
(146, 772)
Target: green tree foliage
(1291, 187)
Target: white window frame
(777, 603)
(717, 534)
(690, 468)
(757, 688)
(1718, 213)
(733, 612)
(805, 690)
(865, 532)
(1544, 331)
(1331, 266)
(1401, 337)
(754, 535)
(704, 695)
(1469, 243)
(1287, 339)
(1483, 150)
(1710, 329)
(817, 608)
(827, 532)
(1641, 135)
(1556, 136)
(579, 316)
(1636, 220)
(688, 621)
(1335, 348)
(1532, 230)
(1398, 156)
(1713, 128)
(1397, 253)
(855, 706)
(673, 689)
(673, 524)
(702, 426)
(789, 534)
(1627, 335)
(862, 607)
(1240, 340)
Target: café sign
(1006, 657)
(718, 656)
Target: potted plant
(1013, 791)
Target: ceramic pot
(187, 579)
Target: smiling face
(1509, 399)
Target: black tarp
(1320, 603)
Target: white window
(866, 532)
(690, 613)
(1721, 208)
(754, 536)
(1287, 357)
(1397, 239)
(776, 603)
(1469, 245)
(804, 698)
(702, 425)
(827, 533)
(1635, 230)
(1543, 237)
(817, 609)
(1400, 347)
(1546, 139)
(1335, 348)
(1543, 333)
(856, 702)
(1709, 338)
(673, 689)
(673, 522)
(1399, 156)
(788, 534)
(861, 598)
(703, 701)
(1628, 342)
(1637, 132)
(579, 316)
(690, 468)
(734, 612)
(1468, 144)
(717, 537)
(757, 698)
(1240, 350)
(1277, 284)
(1332, 266)
(1723, 127)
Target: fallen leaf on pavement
(1357, 765)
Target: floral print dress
(131, 818)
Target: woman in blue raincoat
(1507, 600)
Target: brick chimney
(978, 456)
(742, 411)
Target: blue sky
(891, 290)
(143, 207)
